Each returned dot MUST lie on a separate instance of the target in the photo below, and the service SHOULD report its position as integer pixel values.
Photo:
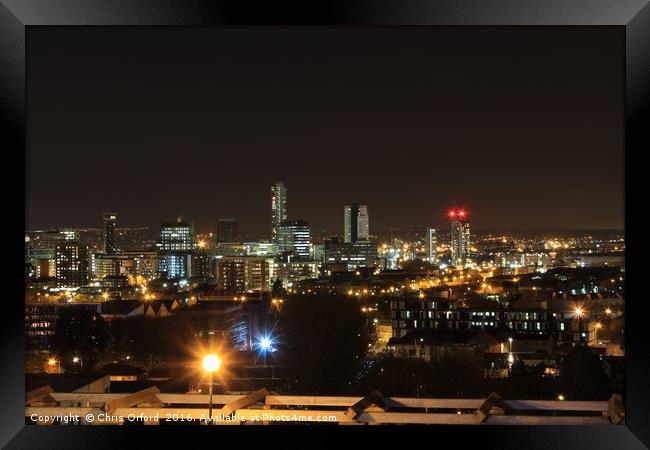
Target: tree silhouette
(81, 333)
(450, 374)
(277, 290)
(582, 376)
(325, 341)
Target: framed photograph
(287, 217)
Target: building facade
(278, 208)
(294, 237)
(72, 265)
(242, 274)
(453, 315)
(226, 231)
(110, 224)
(352, 255)
(460, 237)
(356, 226)
(175, 249)
(432, 245)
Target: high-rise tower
(110, 223)
(460, 236)
(356, 225)
(432, 244)
(278, 208)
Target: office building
(261, 248)
(72, 265)
(352, 255)
(278, 208)
(110, 224)
(70, 234)
(356, 226)
(432, 245)
(460, 237)
(47, 240)
(177, 236)
(203, 265)
(294, 237)
(145, 263)
(241, 274)
(41, 320)
(291, 272)
(175, 250)
(226, 231)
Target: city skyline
(527, 142)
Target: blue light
(265, 344)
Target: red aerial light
(452, 213)
(461, 213)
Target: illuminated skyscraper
(460, 236)
(278, 208)
(175, 249)
(355, 223)
(294, 236)
(432, 244)
(110, 223)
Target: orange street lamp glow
(211, 363)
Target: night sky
(522, 126)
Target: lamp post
(597, 326)
(80, 361)
(211, 364)
(579, 312)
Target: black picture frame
(632, 15)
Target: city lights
(417, 291)
(320, 224)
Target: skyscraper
(294, 236)
(110, 223)
(278, 208)
(432, 243)
(355, 223)
(226, 231)
(460, 236)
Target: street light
(597, 326)
(211, 364)
(579, 312)
(53, 361)
(265, 343)
(80, 361)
